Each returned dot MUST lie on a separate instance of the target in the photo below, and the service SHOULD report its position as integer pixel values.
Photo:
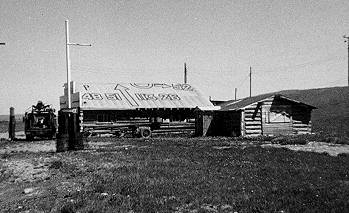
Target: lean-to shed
(269, 115)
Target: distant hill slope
(18, 117)
(332, 115)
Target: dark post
(69, 135)
(185, 73)
(76, 142)
(198, 122)
(62, 140)
(236, 89)
(12, 124)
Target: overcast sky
(289, 44)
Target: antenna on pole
(250, 81)
(67, 44)
(185, 73)
(347, 41)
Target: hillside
(332, 113)
(18, 117)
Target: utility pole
(250, 81)
(67, 44)
(12, 124)
(347, 41)
(236, 90)
(185, 73)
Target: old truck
(40, 121)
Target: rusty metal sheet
(118, 96)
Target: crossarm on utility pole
(67, 44)
(77, 44)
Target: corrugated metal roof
(105, 96)
(242, 103)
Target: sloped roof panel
(140, 95)
(242, 103)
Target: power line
(323, 69)
(310, 63)
(196, 71)
(243, 81)
(271, 82)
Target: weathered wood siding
(277, 129)
(275, 117)
(281, 117)
(252, 121)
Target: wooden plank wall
(277, 128)
(253, 121)
(252, 117)
(301, 128)
(301, 118)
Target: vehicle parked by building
(40, 121)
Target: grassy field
(173, 175)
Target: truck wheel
(145, 132)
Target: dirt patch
(320, 147)
(26, 170)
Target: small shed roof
(125, 96)
(244, 103)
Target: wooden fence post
(12, 124)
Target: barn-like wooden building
(262, 115)
(107, 106)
